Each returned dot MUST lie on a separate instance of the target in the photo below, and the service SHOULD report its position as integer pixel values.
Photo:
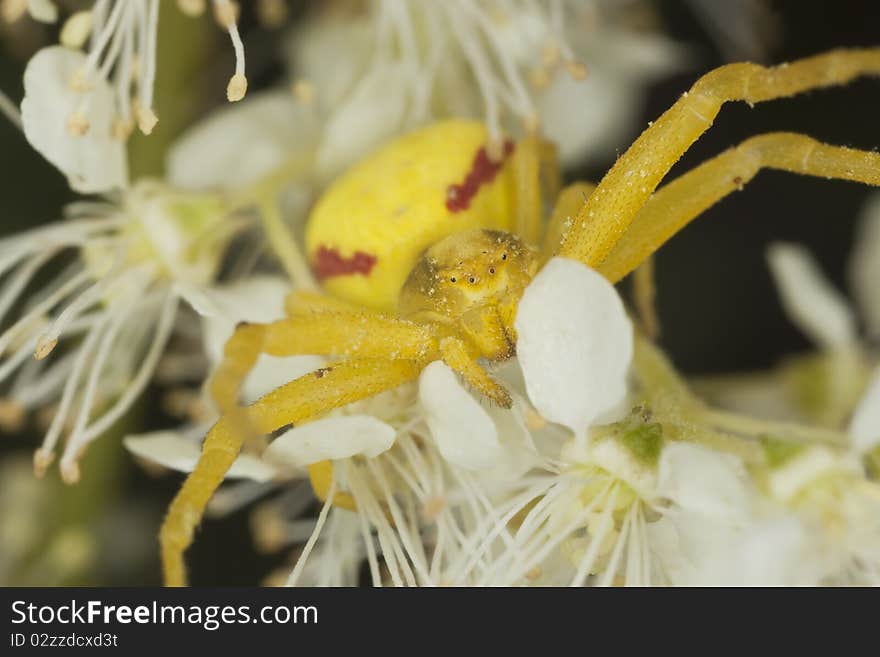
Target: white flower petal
(44, 11)
(332, 52)
(369, 115)
(462, 430)
(865, 265)
(242, 142)
(778, 552)
(706, 482)
(607, 105)
(331, 438)
(575, 343)
(864, 429)
(812, 303)
(178, 453)
(94, 161)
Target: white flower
(810, 300)
(718, 531)
(79, 108)
(864, 428)
(114, 307)
(864, 265)
(404, 62)
(241, 144)
(812, 521)
(72, 126)
(575, 344)
(828, 385)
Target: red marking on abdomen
(483, 171)
(329, 263)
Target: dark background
(717, 306)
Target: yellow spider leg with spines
(610, 210)
(455, 355)
(293, 403)
(526, 163)
(304, 302)
(645, 297)
(568, 202)
(686, 197)
(360, 335)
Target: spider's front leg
(301, 400)
(610, 210)
(677, 203)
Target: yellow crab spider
(427, 246)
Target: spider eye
(452, 280)
(472, 280)
(491, 270)
(504, 256)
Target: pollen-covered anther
(539, 78)
(12, 10)
(77, 124)
(12, 415)
(191, 7)
(303, 91)
(237, 87)
(42, 460)
(70, 472)
(146, 119)
(550, 56)
(122, 128)
(270, 532)
(44, 347)
(226, 13)
(577, 70)
(79, 82)
(433, 507)
(272, 13)
(76, 30)
(495, 149)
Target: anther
(237, 87)
(77, 124)
(191, 7)
(76, 30)
(303, 91)
(44, 347)
(42, 461)
(146, 119)
(577, 70)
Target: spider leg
(307, 302)
(610, 210)
(686, 197)
(301, 400)
(568, 202)
(645, 296)
(357, 335)
(526, 163)
(455, 354)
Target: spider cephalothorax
(413, 236)
(471, 282)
